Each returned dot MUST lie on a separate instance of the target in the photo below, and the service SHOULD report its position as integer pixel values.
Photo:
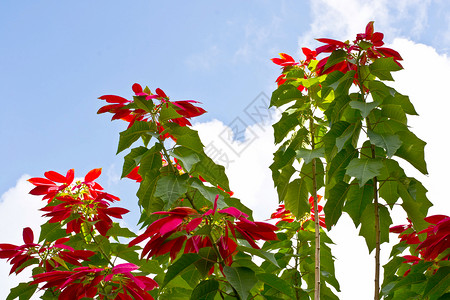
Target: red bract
(123, 110)
(83, 202)
(18, 255)
(285, 215)
(160, 231)
(438, 238)
(48, 256)
(84, 282)
(364, 52)
(134, 174)
(48, 186)
(169, 234)
(408, 236)
(285, 60)
(320, 208)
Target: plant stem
(296, 278)
(375, 196)
(316, 218)
(377, 234)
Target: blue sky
(57, 58)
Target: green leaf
(187, 156)
(382, 68)
(116, 230)
(171, 187)
(286, 123)
(306, 173)
(390, 142)
(296, 199)
(335, 202)
(132, 159)
(337, 167)
(336, 57)
(364, 107)
(205, 290)
(151, 161)
(340, 83)
(365, 45)
(285, 93)
(261, 253)
(281, 180)
(364, 169)
(50, 232)
(308, 155)
(130, 254)
(296, 73)
(336, 130)
(146, 191)
(168, 113)
(439, 283)
(277, 283)
(412, 150)
(143, 103)
(415, 204)
(357, 200)
(367, 225)
(208, 192)
(185, 136)
(132, 134)
(23, 291)
(348, 135)
(403, 101)
(211, 172)
(181, 264)
(242, 279)
(208, 258)
(286, 152)
(394, 112)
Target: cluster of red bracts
(121, 109)
(170, 233)
(85, 282)
(287, 61)
(285, 215)
(83, 202)
(373, 52)
(19, 255)
(434, 245)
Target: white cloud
(247, 162)
(257, 37)
(18, 210)
(205, 60)
(343, 19)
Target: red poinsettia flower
(49, 186)
(285, 215)
(438, 238)
(371, 53)
(310, 55)
(85, 282)
(410, 237)
(83, 202)
(169, 234)
(285, 60)
(18, 255)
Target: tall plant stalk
(316, 218)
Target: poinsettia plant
(340, 129)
